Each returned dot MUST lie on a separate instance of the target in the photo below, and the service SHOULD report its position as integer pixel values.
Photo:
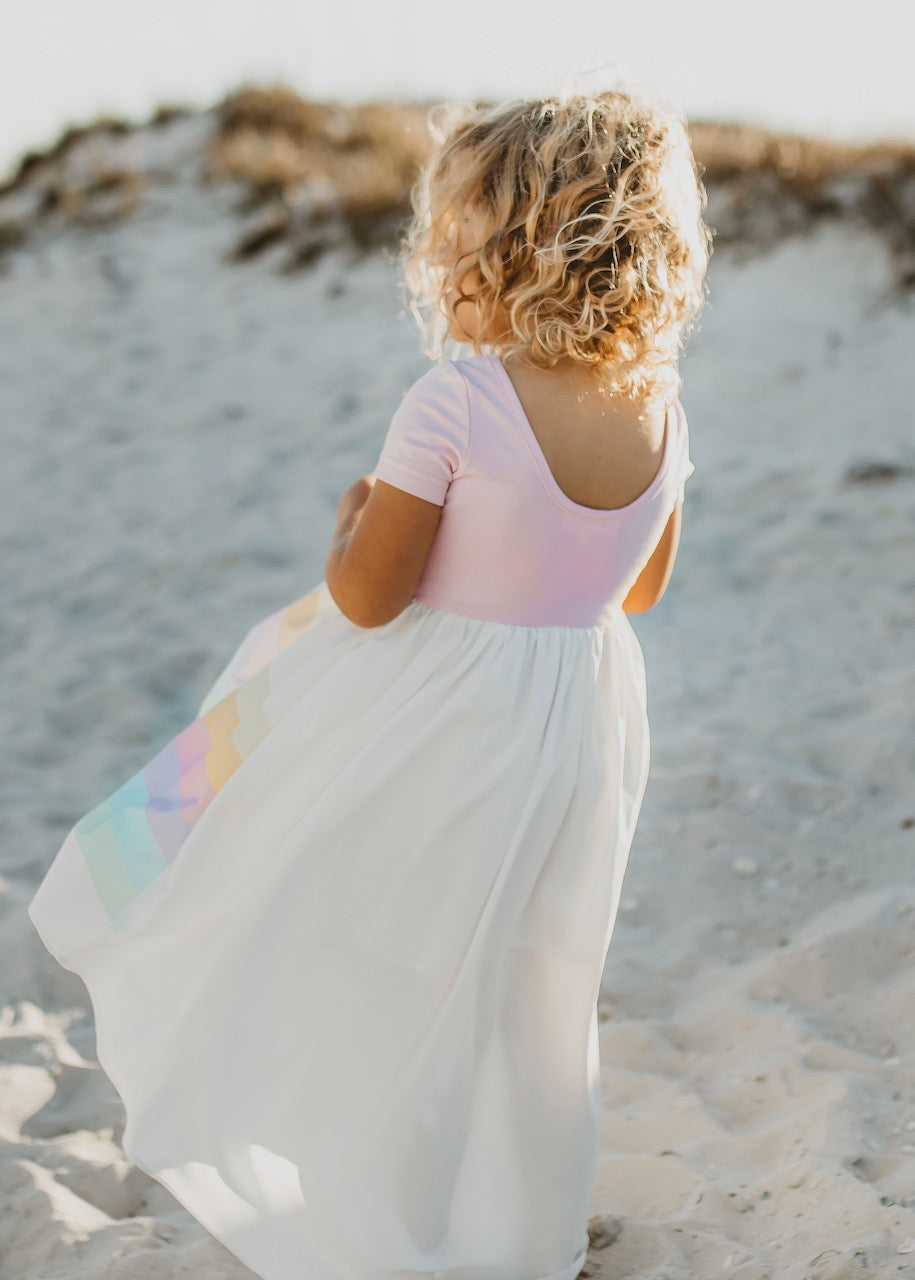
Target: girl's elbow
(361, 607)
(375, 617)
(639, 600)
(648, 589)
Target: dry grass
(356, 163)
(359, 163)
(735, 150)
(104, 195)
(12, 235)
(806, 179)
(316, 173)
(71, 137)
(109, 196)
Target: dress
(344, 934)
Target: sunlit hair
(597, 249)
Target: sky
(840, 71)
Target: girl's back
(513, 544)
(602, 450)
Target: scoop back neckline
(549, 481)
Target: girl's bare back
(602, 449)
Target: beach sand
(176, 432)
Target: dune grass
(310, 171)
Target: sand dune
(176, 433)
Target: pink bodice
(511, 546)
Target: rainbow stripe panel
(130, 838)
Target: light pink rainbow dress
(344, 933)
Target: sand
(176, 434)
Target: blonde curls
(597, 249)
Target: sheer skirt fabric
(344, 936)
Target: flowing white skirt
(344, 935)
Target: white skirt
(344, 936)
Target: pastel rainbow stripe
(129, 839)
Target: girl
(344, 934)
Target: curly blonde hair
(597, 248)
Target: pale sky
(802, 65)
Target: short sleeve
(426, 444)
(685, 467)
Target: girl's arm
(378, 550)
(652, 582)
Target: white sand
(176, 433)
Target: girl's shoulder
(471, 363)
(473, 370)
(451, 382)
(445, 368)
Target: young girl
(344, 934)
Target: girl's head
(562, 228)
